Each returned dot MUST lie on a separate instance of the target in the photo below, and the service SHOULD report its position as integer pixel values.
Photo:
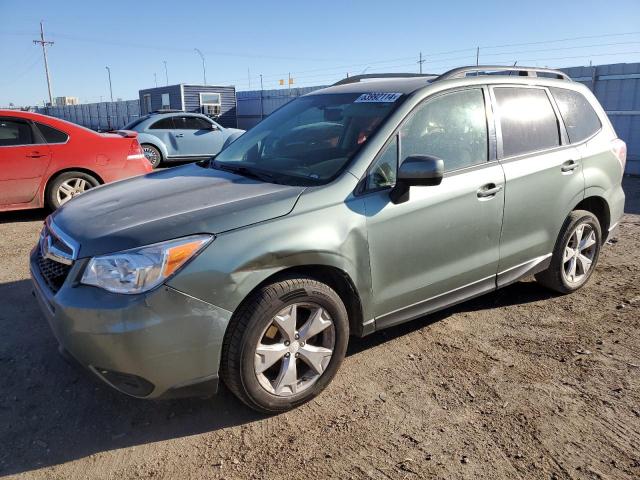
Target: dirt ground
(516, 384)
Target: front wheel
(285, 344)
(575, 255)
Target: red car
(45, 161)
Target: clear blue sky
(318, 42)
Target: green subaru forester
(360, 206)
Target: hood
(169, 204)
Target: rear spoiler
(124, 133)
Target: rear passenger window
(527, 119)
(580, 120)
(14, 133)
(452, 127)
(52, 135)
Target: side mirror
(418, 171)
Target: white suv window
(452, 127)
(580, 120)
(527, 119)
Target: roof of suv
(409, 83)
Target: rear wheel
(153, 155)
(575, 255)
(285, 344)
(68, 185)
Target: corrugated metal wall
(97, 116)
(175, 98)
(227, 116)
(617, 87)
(254, 105)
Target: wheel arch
(600, 208)
(57, 173)
(334, 277)
(146, 139)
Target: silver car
(180, 136)
(349, 210)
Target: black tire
(152, 154)
(53, 192)
(248, 325)
(554, 277)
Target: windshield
(309, 140)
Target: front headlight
(141, 269)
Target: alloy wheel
(152, 155)
(71, 188)
(579, 253)
(294, 349)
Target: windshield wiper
(245, 171)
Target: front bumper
(165, 340)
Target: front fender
(240, 260)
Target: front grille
(54, 273)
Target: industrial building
(219, 102)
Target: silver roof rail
(462, 72)
(358, 78)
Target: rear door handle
(569, 166)
(35, 155)
(489, 190)
(179, 135)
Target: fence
(97, 116)
(254, 105)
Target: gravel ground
(516, 384)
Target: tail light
(619, 148)
(135, 151)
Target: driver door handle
(179, 135)
(489, 190)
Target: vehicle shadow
(517, 293)
(51, 412)
(24, 215)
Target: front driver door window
(443, 242)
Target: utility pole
(155, 79)
(477, 56)
(249, 77)
(204, 67)
(166, 73)
(420, 62)
(261, 99)
(45, 43)
(110, 89)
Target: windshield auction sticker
(377, 97)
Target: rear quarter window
(580, 119)
(52, 135)
(527, 120)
